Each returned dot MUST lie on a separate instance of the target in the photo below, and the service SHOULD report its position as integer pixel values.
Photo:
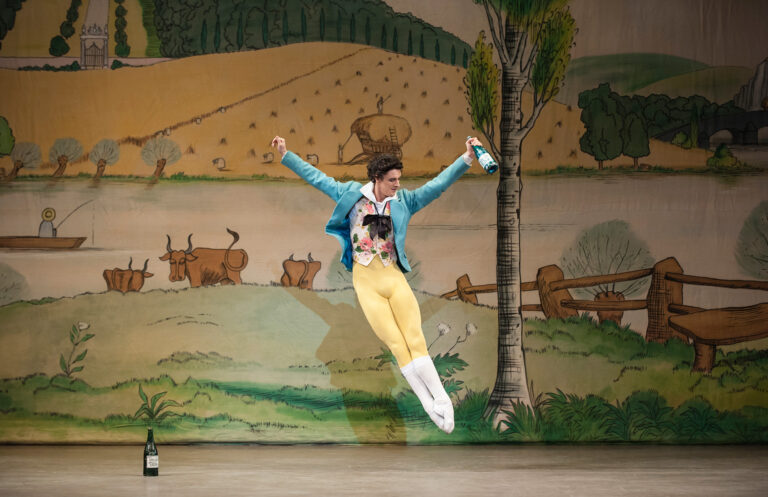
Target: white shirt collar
(367, 191)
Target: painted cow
(299, 273)
(205, 266)
(126, 280)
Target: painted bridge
(743, 127)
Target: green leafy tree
(421, 46)
(58, 46)
(367, 30)
(533, 39)
(286, 32)
(752, 244)
(122, 49)
(265, 30)
(338, 25)
(240, 32)
(204, 37)
(8, 9)
(352, 29)
(410, 43)
(453, 55)
(482, 83)
(160, 152)
(601, 115)
(24, 155)
(322, 25)
(7, 139)
(105, 153)
(723, 158)
(634, 137)
(303, 25)
(383, 36)
(394, 40)
(437, 50)
(217, 35)
(64, 151)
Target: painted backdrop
(160, 267)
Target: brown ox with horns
(206, 266)
(126, 280)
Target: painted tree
(533, 39)
(634, 137)
(607, 248)
(160, 152)
(64, 151)
(24, 155)
(7, 139)
(752, 245)
(105, 153)
(601, 115)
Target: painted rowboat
(36, 242)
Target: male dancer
(370, 222)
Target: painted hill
(230, 106)
(626, 73)
(716, 84)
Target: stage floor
(235, 470)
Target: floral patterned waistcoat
(364, 246)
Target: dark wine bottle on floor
(151, 460)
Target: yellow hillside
(309, 93)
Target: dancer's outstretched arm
(419, 198)
(308, 172)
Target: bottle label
(485, 160)
(153, 461)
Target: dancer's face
(387, 185)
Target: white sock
(419, 388)
(443, 408)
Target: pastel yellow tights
(391, 309)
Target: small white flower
(471, 329)
(443, 329)
(82, 325)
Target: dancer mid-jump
(370, 221)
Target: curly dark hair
(381, 165)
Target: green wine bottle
(151, 459)
(485, 159)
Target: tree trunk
(511, 385)
(16, 168)
(614, 316)
(159, 169)
(600, 165)
(637, 163)
(62, 160)
(100, 167)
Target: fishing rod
(72, 212)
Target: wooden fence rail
(668, 316)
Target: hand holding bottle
(483, 157)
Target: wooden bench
(714, 327)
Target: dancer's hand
(472, 141)
(279, 143)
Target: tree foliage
(752, 244)
(28, 154)
(482, 88)
(122, 49)
(157, 149)
(179, 25)
(607, 248)
(69, 148)
(7, 139)
(8, 9)
(106, 150)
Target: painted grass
(274, 365)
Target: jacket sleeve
(422, 196)
(313, 176)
